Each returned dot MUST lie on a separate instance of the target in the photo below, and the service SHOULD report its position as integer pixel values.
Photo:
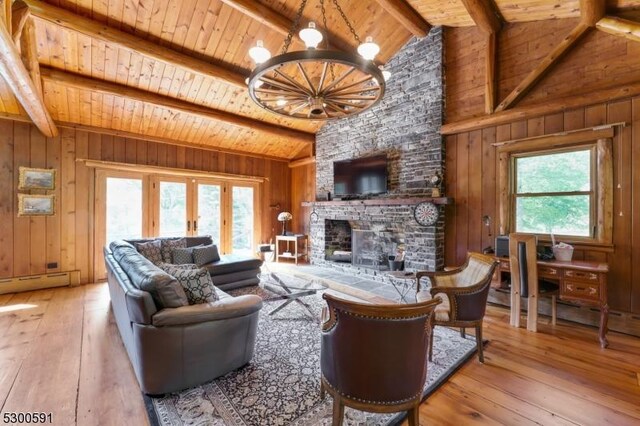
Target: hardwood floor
(60, 352)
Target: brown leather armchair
(463, 291)
(374, 357)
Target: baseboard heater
(39, 282)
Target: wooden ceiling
(174, 70)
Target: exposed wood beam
(620, 27)
(5, 12)
(484, 15)
(29, 53)
(18, 79)
(142, 137)
(106, 88)
(544, 108)
(591, 11)
(278, 22)
(19, 16)
(302, 162)
(407, 16)
(96, 30)
(491, 73)
(545, 66)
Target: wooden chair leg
(413, 415)
(338, 412)
(463, 333)
(554, 310)
(431, 344)
(479, 342)
(322, 392)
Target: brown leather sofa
(175, 348)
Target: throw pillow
(169, 267)
(206, 254)
(169, 244)
(197, 285)
(152, 250)
(181, 256)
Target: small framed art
(32, 178)
(36, 205)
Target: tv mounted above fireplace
(360, 176)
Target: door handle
(195, 226)
(188, 225)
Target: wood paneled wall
(28, 244)
(303, 188)
(598, 61)
(470, 178)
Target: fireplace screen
(372, 248)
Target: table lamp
(284, 217)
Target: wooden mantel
(379, 202)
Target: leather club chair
(464, 293)
(374, 357)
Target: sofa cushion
(443, 310)
(205, 254)
(168, 245)
(165, 290)
(196, 283)
(152, 250)
(225, 308)
(230, 263)
(181, 256)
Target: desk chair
(524, 280)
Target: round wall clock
(426, 214)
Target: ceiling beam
(5, 13)
(29, 53)
(491, 72)
(620, 27)
(19, 16)
(24, 89)
(120, 39)
(545, 65)
(591, 11)
(407, 16)
(484, 15)
(546, 107)
(75, 81)
(280, 23)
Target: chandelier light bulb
(311, 36)
(281, 101)
(259, 53)
(386, 74)
(368, 49)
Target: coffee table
(290, 293)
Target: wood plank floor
(60, 352)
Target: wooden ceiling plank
(591, 11)
(545, 66)
(620, 27)
(406, 16)
(116, 38)
(18, 78)
(484, 15)
(71, 80)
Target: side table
(295, 239)
(403, 282)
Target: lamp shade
(285, 216)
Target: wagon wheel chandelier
(317, 84)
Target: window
(555, 192)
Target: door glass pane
(209, 211)
(173, 209)
(242, 233)
(124, 209)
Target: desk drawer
(548, 272)
(580, 290)
(581, 275)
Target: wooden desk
(295, 239)
(581, 282)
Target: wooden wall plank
(635, 207)
(450, 190)
(38, 231)
(82, 209)
(7, 196)
(475, 191)
(488, 183)
(462, 199)
(21, 225)
(53, 222)
(68, 200)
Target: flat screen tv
(360, 176)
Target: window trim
(601, 139)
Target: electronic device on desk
(502, 249)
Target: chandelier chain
(294, 27)
(326, 30)
(346, 20)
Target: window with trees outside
(555, 193)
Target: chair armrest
(226, 308)
(434, 274)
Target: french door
(134, 205)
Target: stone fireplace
(405, 126)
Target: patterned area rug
(281, 384)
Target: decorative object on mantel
(435, 193)
(33, 178)
(284, 217)
(36, 205)
(317, 84)
(426, 213)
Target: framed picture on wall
(32, 178)
(36, 205)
